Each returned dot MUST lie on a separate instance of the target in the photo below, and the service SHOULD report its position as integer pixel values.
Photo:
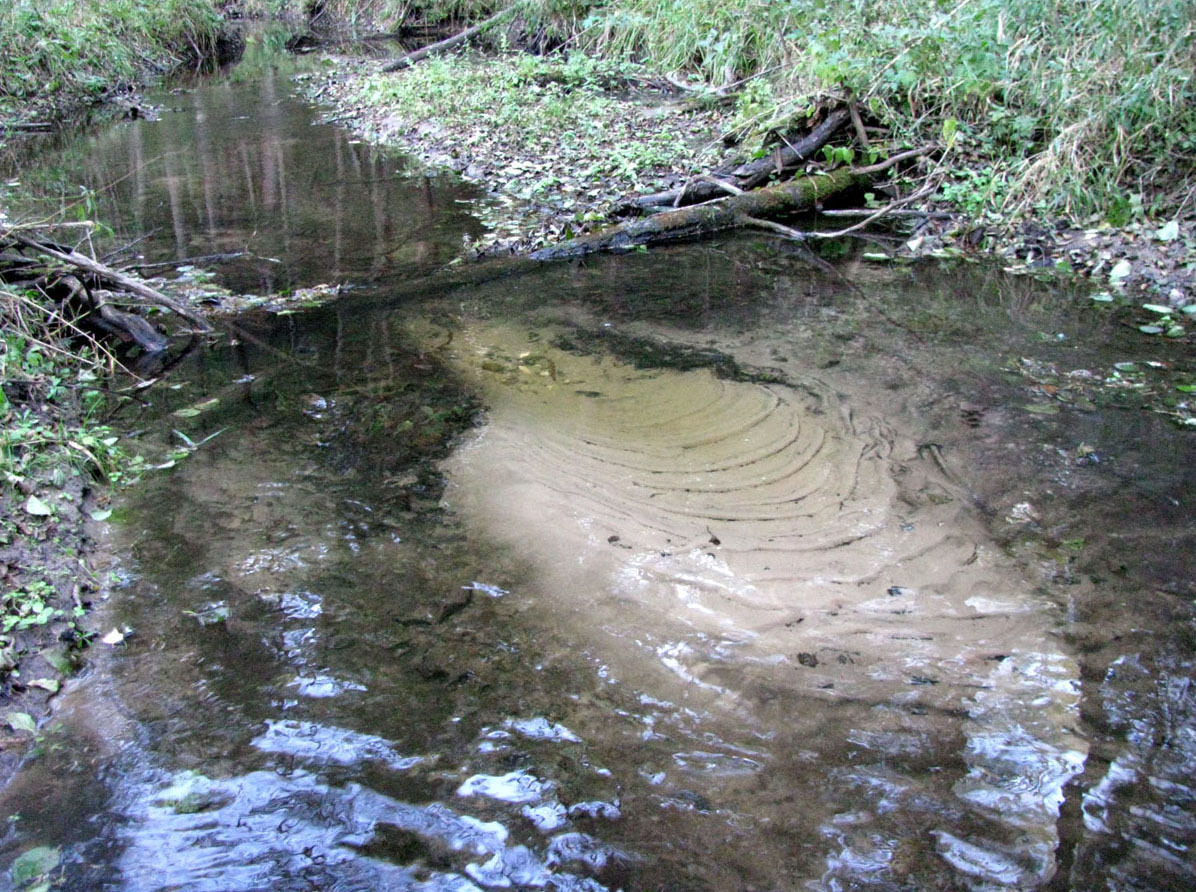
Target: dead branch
(449, 42)
(131, 286)
(858, 123)
(897, 159)
(700, 220)
(746, 176)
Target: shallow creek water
(704, 569)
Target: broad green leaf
(1169, 232)
(36, 862)
(21, 721)
(37, 507)
(101, 514)
(1157, 308)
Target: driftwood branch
(874, 216)
(897, 159)
(449, 42)
(758, 207)
(692, 222)
(117, 280)
(747, 176)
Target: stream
(706, 568)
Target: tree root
(87, 290)
(704, 219)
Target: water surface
(711, 568)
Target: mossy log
(449, 43)
(746, 176)
(700, 220)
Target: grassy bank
(1082, 109)
(56, 57)
(58, 54)
(1053, 108)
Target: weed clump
(75, 50)
(1078, 109)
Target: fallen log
(448, 43)
(119, 281)
(747, 176)
(703, 219)
(27, 126)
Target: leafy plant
(50, 396)
(79, 48)
(1070, 106)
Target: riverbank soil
(500, 121)
(70, 62)
(44, 571)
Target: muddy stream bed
(703, 569)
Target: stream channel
(707, 568)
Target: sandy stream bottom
(801, 567)
(723, 635)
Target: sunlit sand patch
(749, 538)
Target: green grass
(74, 50)
(558, 110)
(374, 15)
(1054, 107)
(1075, 108)
(50, 397)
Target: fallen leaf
(46, 684)
(21, 721)
(1169, 232)
(115, 637)
(34, 863)
(37, 507)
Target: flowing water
(706, 569)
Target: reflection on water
(238, 168)
(681, 571)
